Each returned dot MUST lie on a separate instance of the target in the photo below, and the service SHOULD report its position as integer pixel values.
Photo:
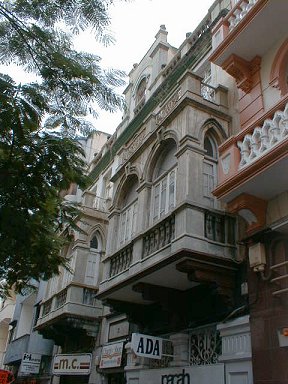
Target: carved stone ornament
(242, 70)
(226, 163)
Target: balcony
(189, 241)
(74, 302)
(94, 202)
(265, 20)
(255, 161)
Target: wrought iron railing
(121, 261)
(167, 356)
(204, 346)
(159, 236)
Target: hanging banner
(111, 355)
(146, 346)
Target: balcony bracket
(221, 280)
(242, 70)
(252, 209)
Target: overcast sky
(134, 25)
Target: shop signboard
(111, 355)
(211, 373)
(74, 364)
(30, 363)
(146, 346)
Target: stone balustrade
(159, 236)
(208, 92)
(91, 200)
(121, 261)
(239, 12)
(273, 131)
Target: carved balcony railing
(61, 299)
(208, 92)
(89, 297)
(47, 306)
(159, 236)
(256, 144)
(100, 204)
(219, 228)
(91, 200)
(239, 12)
(121, 261)
(204, 346)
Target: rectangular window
(164, 195)
(209, 181)
(156, 201)
(128, 223)
(91, 275)
(67, 275)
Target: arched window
(128, 206)
(141, 90)
(279, 70)
(209, 170)
(94, 242)
(164, 181)
(93, 259)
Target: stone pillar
(134, 366)
(180, 343)
(236, 350)
(134, 361)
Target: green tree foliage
(38, 35)
(38, 156)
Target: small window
(209, 171)
(208, 147)
(94, 242)
(141, 90)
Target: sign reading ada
(146, 346)
(79, 364)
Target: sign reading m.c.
(74, 364)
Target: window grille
(204, 346)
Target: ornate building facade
(180, 272)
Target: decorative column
(134, 366)
(180, 343)
(236, 350)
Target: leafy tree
(38, 121)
